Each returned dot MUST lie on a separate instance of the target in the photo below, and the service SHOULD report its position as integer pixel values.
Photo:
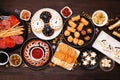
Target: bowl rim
(7, 57)
(106, 15)
(12, 63)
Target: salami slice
(10, 43)
(2, 44)
(18, 39)
(13, 20)
(6, 24)
(1, 26)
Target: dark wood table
(58, 73)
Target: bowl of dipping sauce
(66, 12)
(4, 58)
(15, 60)
(37, 53)
(25, 15)
(100, 18)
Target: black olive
(3, 58)
(45, 16)
(47, 31)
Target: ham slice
(6, 24)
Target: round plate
(54, 14)
(25, 31)
(33, 63)
(90, 25)
(84, 57)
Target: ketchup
(37, 53)
(66, 12)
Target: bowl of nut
(15, 60)
(107, 64)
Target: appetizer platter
(89, 59)
(13, 32)
(46, 23)
(78, 31)
(36, 53)
(108, 46)
(65, 56)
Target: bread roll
(80, 27)
(75, 18)
(84, 21)
(72, 24)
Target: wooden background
(57, 73)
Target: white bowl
(100, 18)
(6, 56)
(11, 63)
(66, 7)
(26, 14)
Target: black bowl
(90, 25)
(23, 49)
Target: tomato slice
(13, 20)
(10, 43)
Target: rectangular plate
(108, 46)
(59, 62)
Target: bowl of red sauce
(37, 53)
(66, 12)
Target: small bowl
(100, 18)
(66, 12)
(25, 15)
(15, 60)
(4, 58)
(107, 64)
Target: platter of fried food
(65, 56)
(78, 31)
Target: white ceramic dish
(54, 14)
(15, 65)
(27, 15)
(108, 46)
(60, 62)
(103, 14)
(70, 11)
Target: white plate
(109, 47)
(54, 14)
(60, 62)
